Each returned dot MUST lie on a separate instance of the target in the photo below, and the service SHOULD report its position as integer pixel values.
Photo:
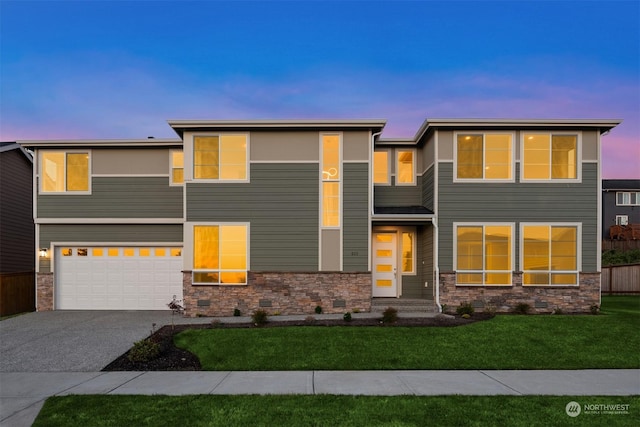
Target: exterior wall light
(44, 252)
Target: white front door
(385, 283)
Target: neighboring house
(293, 214)
(620, 204)
(17, 250)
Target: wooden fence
(621, 279)
(620, 245)
(17, 293)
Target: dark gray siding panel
(398, 195)
(117, 197)
(519, 202)
(17, 232)
(355, 228)
(280, 203)
(412, 285)
(428, 188)
(107, 233)
(426, 236)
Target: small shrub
(490, 309)
(465, 308)
(445, 308)
(557, 310)
(318, 309)
(143, 351)
(259, 317)
(236, 312)
(466, 316)
(595, 309)
(390, 315)
(347, 317)
(522, 308)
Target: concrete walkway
(23, 394)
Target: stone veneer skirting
(541, 299)
(44, 291)
(281, 292)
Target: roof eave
(149, 142)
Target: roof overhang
(181, 126)
(65, 143)
(15, 146)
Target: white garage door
(117, 278)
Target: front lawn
(608, 340)
(325, 410)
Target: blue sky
(120, 69)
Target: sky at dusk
(121, 69)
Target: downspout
(436, 269)
(373, 149)
(371, 193)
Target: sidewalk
(23, 394)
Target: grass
(609, 340)
(325, 410)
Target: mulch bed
(172, 358)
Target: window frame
(579, 161)
(628, 196)
(512, 160)
(578, 269)
(414, 167)
(512, 259)
(620, 218)
(191, 246)
(330, 180)
(192, 154)
(373, 164)
(173, 183)
(414, 236)
(41, 190)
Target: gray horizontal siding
(355, 230)
(428, 188)
(107, 233)
(519, 202)
(117, 197)
(426, 241)
(281, 202)
(398, 195)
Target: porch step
(403, 305)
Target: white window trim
(629, 196)
(338, 181)
(65, 192)
(414, 168)
(619, 219)
(389, 165)
(577, 179)
(188, 254)
(578, 226)
(511, 225)
(483, 179)
(171, 167)
(190, 152)
(414, 267)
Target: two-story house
(620, 207)
(289, 215)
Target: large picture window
(330, 180)
(64, 172)
(550, 157)
(484, 254)
(220, 254)
(550, 254)
(484, 157)
(220, 157)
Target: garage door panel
(116, 278)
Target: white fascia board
(149, 142)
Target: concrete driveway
(75, 341)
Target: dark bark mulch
(171, 358)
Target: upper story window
(549, 156)
(626, 198)
(405, 167)
(177, 167)
(64, 172)
(220, 157)
(484, 156)
(381, 167)
(330, 203)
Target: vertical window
(484, 156)
(550, 156)
(625, 198)
(405, 170)
(220, 157)
(177, 167)
(64, 172)
(220, 254)
(484, 254)
(330, 180)
(381, 167)
(550, 255)
(408, 253)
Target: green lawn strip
(326, 410)
(609, 340)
